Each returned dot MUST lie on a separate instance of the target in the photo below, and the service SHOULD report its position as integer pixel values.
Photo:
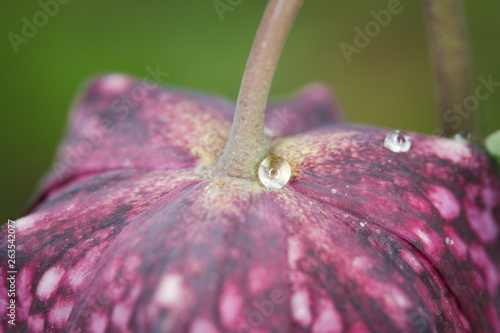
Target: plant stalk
(451, 58)
(247, 146)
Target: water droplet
(334, 190)
(397, 141)
(469, 137)
(274, 172)
(449, 241)
(362, 223)
(460, 137)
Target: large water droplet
(449, 241)
(397, 141)
(274, 172)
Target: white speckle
(328, 319)
(396, 299)
(114, 84)
(121, 316)
(49, 282)
(455, 151)
(445, 202)
(258, 278)
(98, 322)
(59, 313)
(230, 305)
(481, 219)
(202, 325)
(310, 202)
(295, 252)
(70, 207)
(449, 241)
(170, 290)
(360, 263)
(459, 248)
(334, 190)
(27, 221)
(482, 260)
(412, 261)
(35, 323)
(130, 270)
(301, 307)
(79, 273)
(423, 236)
(23, 286)
(362, 224)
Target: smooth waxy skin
(139, 234)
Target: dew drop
(398, 142)
(449, 241)
(362, 224)
(460, 137)
(469, 137)
(334, 190)
(274, 172)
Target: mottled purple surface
(135, 234)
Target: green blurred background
(388, 84)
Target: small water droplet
(460, 137)
(398, 142)
(334, 190)
(449, 241)
(274, 172)
(469, 137)
(362, 224)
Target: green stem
(247, 146)
(450, 51)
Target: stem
(247, 146)
(450, 51)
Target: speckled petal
(122, 123)
(213, 258)
(412, 202)
(61, 244)
(134, 232)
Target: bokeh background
(388, 84)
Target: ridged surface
(137, 235)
